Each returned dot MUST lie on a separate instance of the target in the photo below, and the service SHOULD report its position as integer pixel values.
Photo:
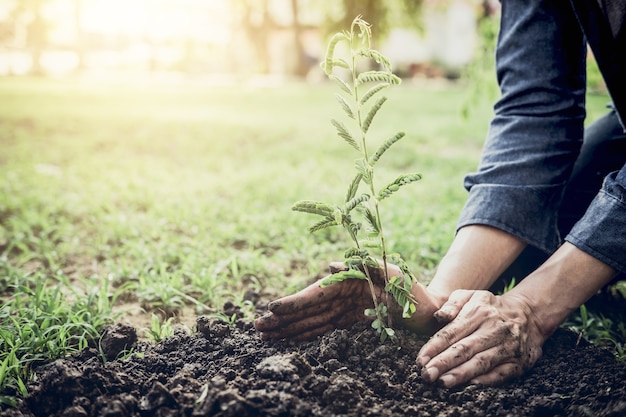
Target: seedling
(159, 330)
(361, 101)
(38, 324)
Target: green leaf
(398, 182)
(365, 31)
(350, 205)
(372, 112)
(386, 145)
(342, 276)
(3, 369)
(354, 187)
(345, 106)
(373, 263)
(373, 91)
(397, 259)
(352, 227)
(343, 132)
(364, 169)
(388, 332)
(341, 83)
(408, 310)
(329, 61)
(354, 262)
(371, 243)
(8, 401)
(377, 76)
(314, 207)
(376, 324)
(370, 312)
(21, 387)
(323, 224)
(376, 56)
(382, 308)
(402, 294)
(370, 218)
(339, 62)
(383, 336)
(355, 253)
(584, 318)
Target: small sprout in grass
(230, 320)
(360, 101)
(38, 324)
(160, 329)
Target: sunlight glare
(200, 20)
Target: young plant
(159, 330)
(361, 101)
(38, 324)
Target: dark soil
(228, 371)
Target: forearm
(564, 282)
(476, 258)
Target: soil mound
(223, 370)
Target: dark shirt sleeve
(535, 138)
(602, 230)
(536, 133)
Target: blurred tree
(36, 33)
(301, 67)
(80, 38)
(257, 23)
(27, 27)
(481, 74)
(382, 15)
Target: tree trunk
(301, 67)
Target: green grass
(178, 198)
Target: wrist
(439, 297)
(542, 319)
(561, 285)
(477, 257)
(422, 320)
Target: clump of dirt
(223, 370)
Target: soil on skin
(222, 370)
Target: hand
(315, 310)
(489, 339)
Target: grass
(178, 198)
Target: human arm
(530, 150)
(476, 258)
(490, 338)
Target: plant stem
(371, 186)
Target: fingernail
(448, 380)
(430, 374)
(423, 360)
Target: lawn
(146, 202)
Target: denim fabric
(609, 47)
(603, 151)
(536, 136)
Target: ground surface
(227, 370)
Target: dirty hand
(315, 310)
(488, 339)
